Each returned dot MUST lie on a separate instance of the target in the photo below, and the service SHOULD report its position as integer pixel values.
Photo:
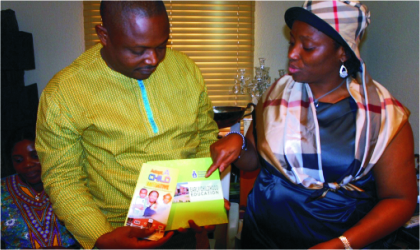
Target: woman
(334, 147)
(27, 218)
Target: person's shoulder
(4, 182)
(79, 70)
(7, 178)
(390, 99)
(284, 81)
(78, 67)
(176, 53)
(177, 56)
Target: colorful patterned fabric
(347, 18)
(96, 127)
(28, 222)
(287, 129)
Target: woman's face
(25, 161)
(313, 56)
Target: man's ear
(102, 34)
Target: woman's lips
(293, 69)
(33, 175)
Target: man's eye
(137, 52)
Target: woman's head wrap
(343, 21)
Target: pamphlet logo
(157, 176)
(194, 174)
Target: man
(126, 101)
(140, 204)
(151, 203)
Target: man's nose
(151, 57)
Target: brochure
(196, 197)
(152, 199)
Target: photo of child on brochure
(151, 204)
(150, 209)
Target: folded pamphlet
(152, 199)
(195, 198)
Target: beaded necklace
(37, 212)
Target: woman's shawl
(288, 132)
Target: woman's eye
(17, 159)
(34, 155)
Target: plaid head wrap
(343, 21)
(287, 125)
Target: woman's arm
(227, 150)
(397, 192)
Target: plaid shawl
(287, 127)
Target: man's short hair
(115, 11)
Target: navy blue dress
(277, 215)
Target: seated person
(333, 146)
(27, 217)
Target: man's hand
(130, 237)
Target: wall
(57, 31)
(391, 52)
(390, 49)
(57, 28)
(271, 34)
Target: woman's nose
(30, 162)
(293, 52)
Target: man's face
(136, 48)
(153, 197)
(143, 193)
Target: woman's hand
(224, 152)
(227, 205)
(200, 234)
(331, 244)
(130, 238)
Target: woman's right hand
(224, 152)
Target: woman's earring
(343, 71)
